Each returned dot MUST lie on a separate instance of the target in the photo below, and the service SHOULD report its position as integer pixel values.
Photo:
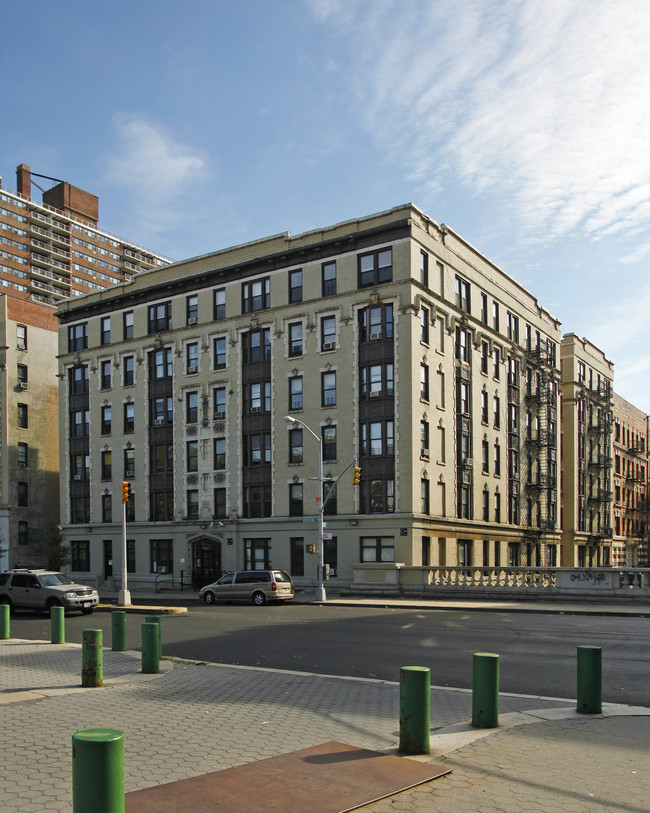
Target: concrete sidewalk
(195, 718)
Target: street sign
(310, 519)
(327, 536)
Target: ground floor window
(257, 554)
(426, 551)
(297, 556)
(162, 555)
(551, 555)
(465, 552)
(80, 555)
(377, 549)
(513, 554)
(330, 555)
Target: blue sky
(522, 124)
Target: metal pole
(150, 636)
(5, 630)
(485, 690)
(98, 771)
(124, 598)
(414, 709)
(57, 625)
(118, 630)
(590, 680)
(92, 659)
(320, 593)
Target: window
(424, 495)
(79, 509)
(79, 422)
(257, 346)
(295, 393)
(377, 438)
(424, 268)
(161, 410)
(78, 337)
(192, 503)
(328, 389)
(129, 463)
(463, 344)
(129, 418)
(495, 367)
(219, 403)
(424, 325)
(23, 494)
(462, 294)
(424, 382)
(219, 453)
(256, 553)
(162, 506)
(107, 465)
(23, 455)
(295, 286)
(257, 449)
(21, 337)
(328, 333)
(22, 375)
(257, 501)
(377, 549)
(485, 456)
(484, 309)
(513, 554)
(295, 339)
(127, 325)
(424, 439)
(192, 309)
(106, 420)
(497, 458)
(162, 555)
(107, 507)
(512, 325)
(484, 407)
(377, 381)
(191, 407)
(297, 555)
(328, 276)
(106, 375)
(129, 371)
(78, 379)
(375, 268)
(463, 397)
(486, 506)
(80, 555)
(295, 446)
(160, 317)
(256, 295)
(105, 330)
(295, 500)
(328, 434)
(192, 357)
(497, 412)
(192, 455)
(219, 503)
(259, 397)
(484, 357)
(219, 359)
(465, 552)
(375, 323)
(162, 458)
(495, 315)
(23, 416)
(219, 304)
(161, 363)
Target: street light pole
(320, 592)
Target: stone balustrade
(519, 582)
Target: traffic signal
(126, 491)
(356, 475)
(311, 548)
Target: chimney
(24, 181)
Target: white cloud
(149, 161)
(543, 102)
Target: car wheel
(259, 598)
(209, 598)
(87, 610)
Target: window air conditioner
(425, 453)
(21, 346)
(22, 465)
(130, 473)
(329, 345)
(193, 368)
(375, 335)
(23, 385)
(255, 410)
(77, 477)
(375, 393)
(468, 461)
(192, 320)
(158, 422)
(219, 415)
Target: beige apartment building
(29, 437)
(586, 454)
(390, 337)
(49, 251)
(630, 439)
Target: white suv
(43, 589)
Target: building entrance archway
(206, 561)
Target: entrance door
(206, 562)
(108, 559)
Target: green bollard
(414, 709)
(57, 624)
(150, 648)
(5, 613)
(485, 690)
(98, 771)
(92, 659)
(118, 630)
(155, 619)
(590, 680)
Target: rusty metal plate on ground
(328, 778)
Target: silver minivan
(258, 586)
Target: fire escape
(599, 462)
(540, 447)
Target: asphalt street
(537, 651)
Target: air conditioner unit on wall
(158, 422)
(130, 473)
(329, 345)
(375, 336)
(77, 477)
(23, 385)
(193, 368)
(192, 320)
